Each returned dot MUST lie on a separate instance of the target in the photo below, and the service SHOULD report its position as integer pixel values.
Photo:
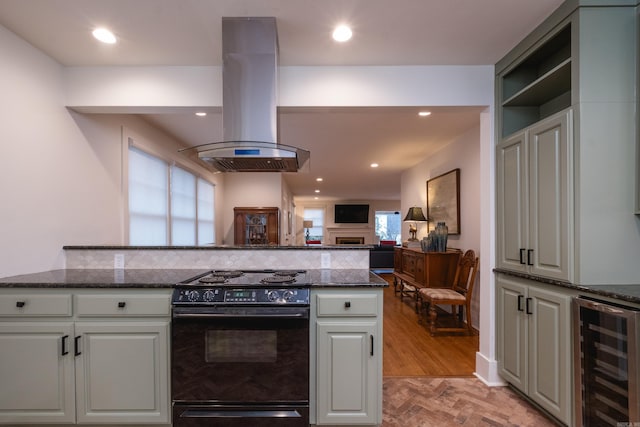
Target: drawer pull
(20, 304)
(347, 304)
(122, 304)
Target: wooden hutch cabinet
(256, 226)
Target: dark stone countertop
(346, 278)
(218, 247)
(630, 292)
(101, 278)
(159, 278)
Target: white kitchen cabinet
(583, 58)
(534, 343)
(105, 362)
(36, 372)
(348, 343)
(121, 373)
(534, 199)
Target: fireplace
(349, 240)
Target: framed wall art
(443, 200)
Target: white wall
(55, 187)
(463, 153)
(98, 89)
(61, 180)
(246, 189)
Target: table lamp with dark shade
(414, 215)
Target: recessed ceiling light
(104, 35)
(201, 114)
(317, 191)
(374, 165)
(319, 179)
(342, 33)
(424, 113)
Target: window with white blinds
(183, 207)
(148, 199)
(206, 230)
(168, 205)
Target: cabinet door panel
(36, 378)
(121, 374)
(550, 352)
(512, 342)
(512, 201)
(550, 180)
(345, 392)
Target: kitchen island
(168, 278)
(91, 324)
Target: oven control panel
(230, 296)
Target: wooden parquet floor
(444, 402)
(428, 381)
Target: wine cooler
(606, 363)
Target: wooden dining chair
(457, 296)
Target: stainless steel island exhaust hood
(249, 106)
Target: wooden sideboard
(414, 269)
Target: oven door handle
(199, 413)
(212, 313)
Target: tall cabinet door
(121, 372)
(512, 331)
(36, 372)
(512, 202)
(347, 390)
(550, 197)
(550, 351)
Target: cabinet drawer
(347, 305)
(35, 305)
(122, 305)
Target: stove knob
(287, 295)
(208, 295)
(272, 295)
(193, 296)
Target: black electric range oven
(240, 349)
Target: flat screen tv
(351, 214)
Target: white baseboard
(487, 371)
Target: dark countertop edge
(610, 291)
(224, 248)
(58, 279)
(160, 286)
(15, 285)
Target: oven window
(241, 346)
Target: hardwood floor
(409, 349)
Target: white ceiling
(342, 141)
